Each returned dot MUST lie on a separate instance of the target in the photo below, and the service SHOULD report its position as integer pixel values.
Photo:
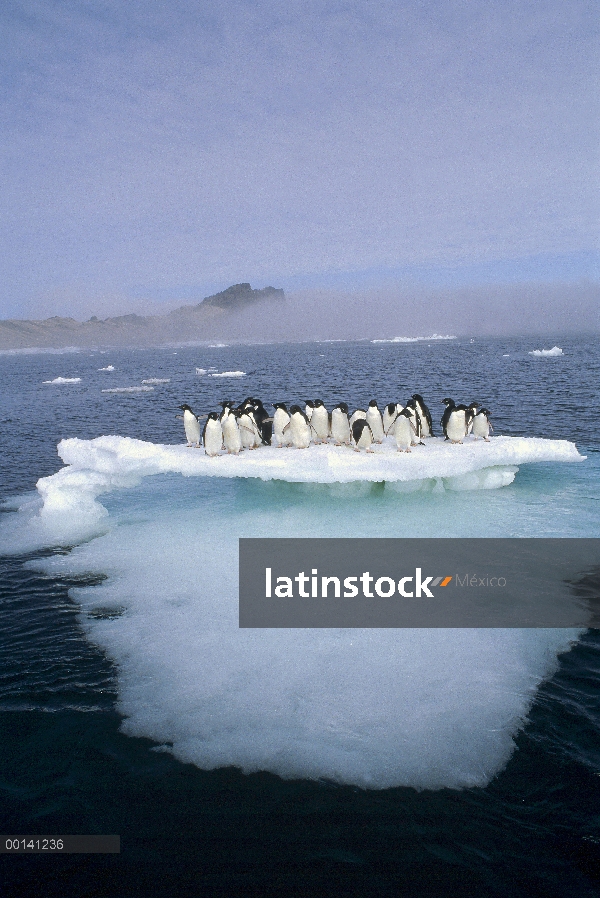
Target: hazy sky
(155, 152)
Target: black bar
(60, 844)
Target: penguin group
(248, 426)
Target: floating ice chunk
(129, 390)
(157, 380)
(63, 380)
(218, 345)
(229, 374)
(201, 370)
(108, 368)
(556, 350)
(417, 339)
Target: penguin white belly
(231, 435)
(403, 433)
(416, 423)
(300, 432)
(456, 428)
(280, 421)
(192, 427)
(481, 426)
(213, 438)
(375, 422)
(247, 431)
(320, 422)
(340, 427)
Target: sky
(156, 152)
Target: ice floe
(417, 339)
(157, 380)
(229, 374)
(144, 389)
(63, 380)
(541, 353)
(108, 368)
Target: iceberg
(63, 380)
(542, 353)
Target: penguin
(299, 428)
(232, 438)
(449, 403)
(248, 430)
(472, 409)
(308, 411)
(457, 423)
(362, 435)
(320, 422)
(482, 424)
(404, 430)
(424, 415)
(340, 426)
(411, 405)
(212, 435)
(264, 423)
(359, 414)
(281, 419)
(375, 421)
(390, 413)
(191, 425)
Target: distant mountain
(223, 315)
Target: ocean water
(270, 763)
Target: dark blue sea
(260, 764)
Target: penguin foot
(372, 451)
(486, 439)
(357, 450)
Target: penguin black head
(448, 401)
(343, 407)
(412, 403)
(405, 413)
(318, 403)
(185, 408)
(373, 403)
(309, 403)
(295, 409)
(280, 405)
(226, 404)
(418, 397)
(484, 411)
(213, 416)
(390, 408)
(357, 428)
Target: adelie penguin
(472, 410)
(281, 419)
(320, 422)
(298, 428)
(482, 425)
(375, 421)
(390, 413)
(309, 409)
(248, 430)
(340, 426)
(232, 438)
(212, 435)
(411, 407)
(455, 421)
(362, 435)
(191, 425)
(404, 430)
(424, 415)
